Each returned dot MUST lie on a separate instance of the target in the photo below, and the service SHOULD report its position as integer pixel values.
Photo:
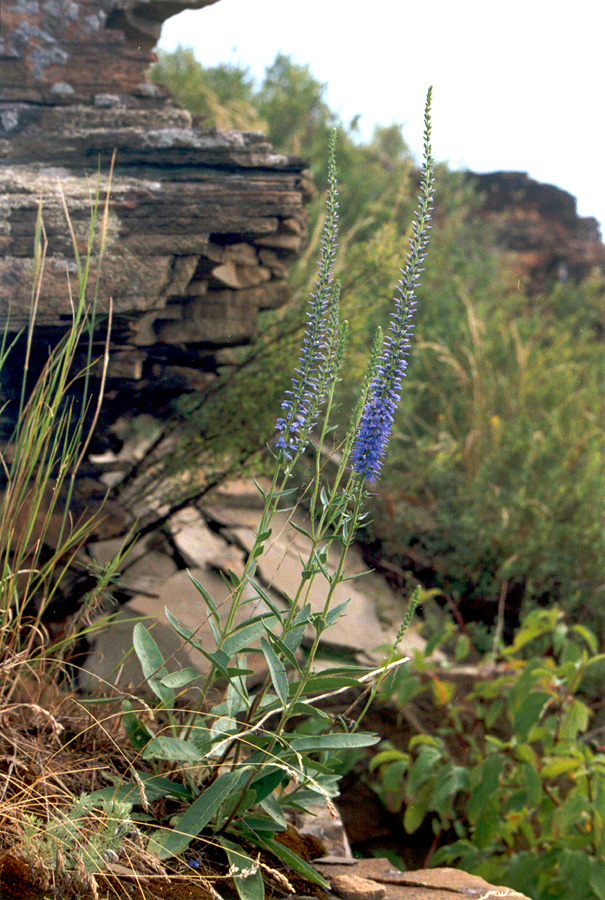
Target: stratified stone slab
(196, 543)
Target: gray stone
(112, 664)
(194, 540)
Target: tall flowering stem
(376, 422)
(313, 373)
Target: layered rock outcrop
(202, 227)
(540, 226)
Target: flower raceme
(316, 364)
(376, 422)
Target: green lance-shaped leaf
(291, 859)
(277, 671)
(199, 814)
(152, 663)
(319, 742)
(173, 749)
(246, 873)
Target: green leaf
(597, 877)
(292, 640)
(179, 679)
(559, 765)
(529, 712)
(575, 720)
(246, 873)
(569, 815)
(173, 749)
(207, 598)
(537, 623)
(425, 767)
(244, 635)
(333, 742)
(307, 709)
(300, 530)
(588, 636)
(304, 616)
(199, 814)
(281, 647)
(219, 659)
(274, 811)
(298, 865)
(450, 782)
(152, 662)
(484, 786)
(277, 671)
(259, 826)
(267, 782)
(155, 787)
(329, 682)
(137, 732)
(336, 612)
(391, 754)
(214, 619)
(186, 633)
(416, 810)
(266, 598)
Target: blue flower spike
(376, 422)
(311, 378)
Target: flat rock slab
(365, 879)
(375, 611)
(112, 661)
(196, 543)
(357, 630)
(212, 552)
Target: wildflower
(376, 422)
(311, 377)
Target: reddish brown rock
(425, 884)
(540, 227)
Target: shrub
(513, 779)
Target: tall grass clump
(238, 767)
(39, 540)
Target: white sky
(517, 85)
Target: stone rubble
(204, 542)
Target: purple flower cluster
(300, 401)
(376, 422)
(303, 400)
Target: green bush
(513, 779)
(496, 474)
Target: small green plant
(77, 842)
(247, 760)
(513, 779)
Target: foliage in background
(513, 778)
(495, 479)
